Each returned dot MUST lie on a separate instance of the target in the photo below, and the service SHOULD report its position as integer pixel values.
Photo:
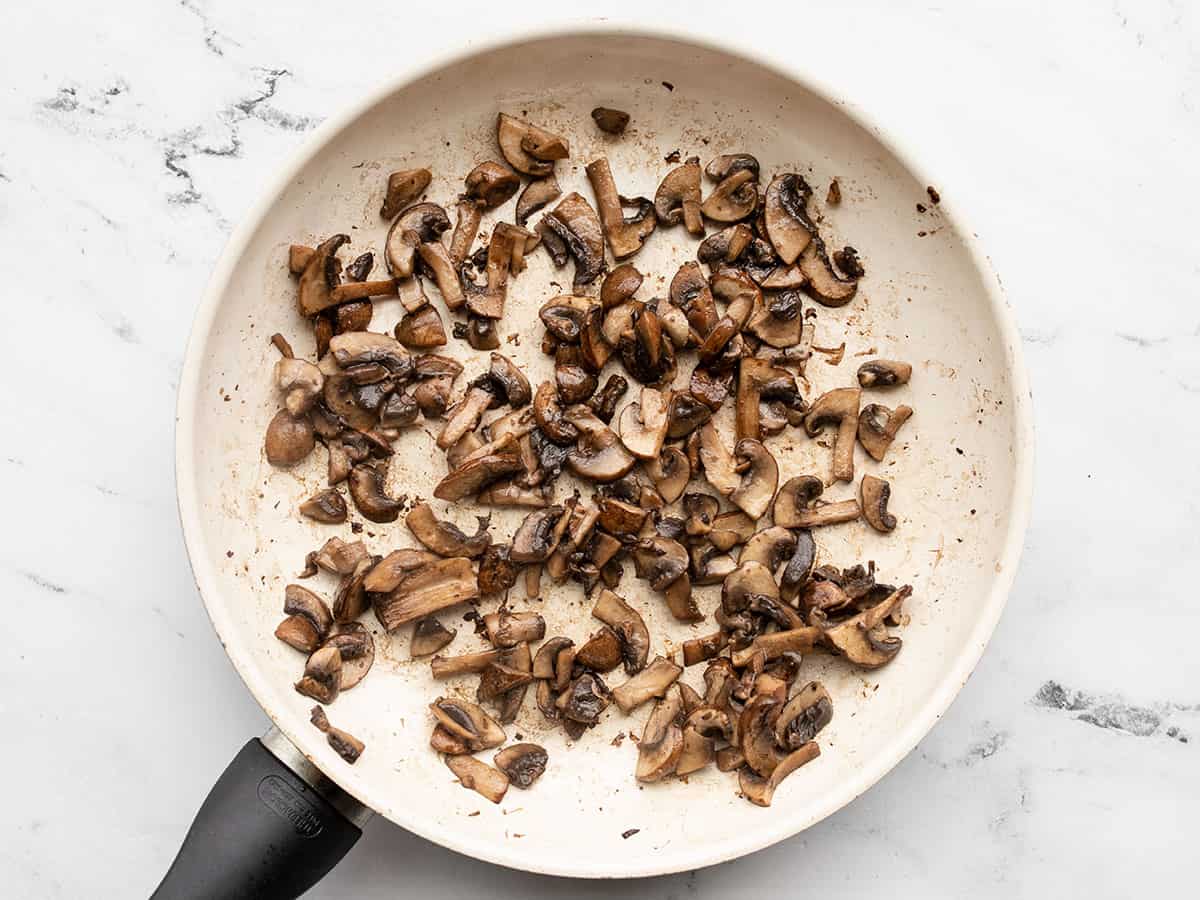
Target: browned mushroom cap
(289, 439)
(601, 652)
(518, 138)
(491, 462)
(877, 427)
(717, 461)
(350, 601)
(445, 538)
(298, 632)
(619, 285)
(549, 416)
(468, 214)
(660, 561)
(837, 406)
(777, 321)
(346, 745)
(771, 547)
(610, 121)
(613, 611)
(545, 663)
(759, 790)
(403, 188)
(643, 425)
(625, 236)
(468, 721)
(573, 380)
(880, 373)
(670, 472)
(498, 681)
(733, 199)
(598, 454)
(577, 225)
(536, 539)
(322, 675)
(301, 384)
(797, 495)
(798, 569)
(725, 246)
(754, 375)
(785, 212)
(417, 225)
(875, 495)
(730, 529)
(689, 291)
(584, 699)
(674, 323)
(678, 197)
(522, 763)
(662, 740)
(493, 183)
(299, 601)
(437, 258)
(421, 329)
(489, 783)
(821, 281)
(535, 196)
(749, 581)
(386, 574)
(803, 717)
(433, 587)
(507, 629)
(652, 681)
(429, 636)
(756, 489)
(862, 639)
(357, 649)
(369, 495)
(721, 167)
(320, 276)
(738, 291)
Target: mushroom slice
(710, 565)
(821, 281)
(778, 643)
(803, 717)
(778, 322)
(652, 681)
(429, 636)
(610, 121)
(403, 188)
(369, 496)
(522, 763)
(289, 439)
(771, 547)
(536, 195)
(360, 348)
(584, 699)
(756, 489)
(544, 145)
(795, 497)
(435, 255)
(785, 212)
(690, 291)
(760, 791)
(535, 539)
(862, 639)
(299, 633)
(489, 783)
(615, 612)
(838, 406)
(429, 589)
(875, 495)
(442, 741)
(619, 285)
(680, 601)
(576, 224)
(346, 745)
(419, 224)
(598, 454)
(745, 584)
(319, 276)
(755, 376)
(701, 729)
(350, 601)
(733, 199)
(643, 426)
(468, 721)
(625, 236)
(322, 675)
(730, 529)
(357, 649)
(421, 329)
(545, 661)
(498, 680)
(697, 650)
(327, 506)
(717, 462)
(492, 183)
(740, 294)
(507, 629)
(881, 373)
(799, 568)
(301, 384)
(670, 472)
(601, 652)
(468, 214)
(784, 278)
(466, 416)
(678, 198)
(662, 740)
(515, 135)
(300, 601)
(725, 246)
(755, 733)
(497, 571)
(464, 664)
(877, 427)
(686, 414)
(386, 574)
(660, 561)
(445, 538)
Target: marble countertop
(134, 137)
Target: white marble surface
(134, 135)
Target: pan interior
(957, 472)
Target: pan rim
(774, 828)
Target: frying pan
(288, 807)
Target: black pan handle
(263, 832)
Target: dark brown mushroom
(725, 246)
(670, 472)
(875, 494)
(610, 121)
(535, 539)
(549, 416)
(429, 636)
(652, 681)
(322, 675)
(421, 329)
(419, 224)
(492, 183)
(601, 652)
(625, 235)
(785, 212)
(678, 198)
(442, 667)
(795, 497)
(320, 277)
(490, 463)
(403, 188)
(528, 148)
(359, 348)
(771, 646)
(660, 561)
(877, 427)
(839, 406)
(598, 454)
(350, 601)
(468, 214)
(340, 557)
(369, 495)
(433, 587)
(686, 414)
(497, 571)
(733, 199)
(536, 195)
(469, 722)
(289, 439)
(445, 538)
(881, 373)
(357, 649)
(771, 547)
(346, 745)
(584, 699)
(619, 285)
(573, 379)
(577, 225)
(522, 763)
(863, 639)
(478, 399)
(803, 717)
(498, 680)
(614, 611)
(689, 291)
(702, 727)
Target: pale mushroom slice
(523, 763)
(403, 188)
(878, 426)
(670, 471)
(760, 791)
(756, 489)
(301, 383)
(662, 740)
(625, 235)
(469, 722)
(419, 224)
(678, 197)
(518, 139)
(506, 629)
(598, 454)
(643, 425)
(701, 649)
(703, 726)
(536, 195)
(479, 777)
(468, 215)
(875, 493)
(883, 373)
(615, 612)
(797, 505)
(318, 278)
(730, 529)
(464, 664)
(862, 639)
(435, 255)
(431, 588)
(785, 213)
(717, 462)
(652, 681)
(575, 223)
(839, 406)
(733, 199)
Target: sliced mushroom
(610, 121)
(527, 148)
(619, 285)
(403, 188)
(419, 224)
(535, 539)
(498, 681)
(536, 195)
(862, 639)
(466, 415)
(572, 378)
(577, 226)
(489, 783)
(803, 717)
(346, 745)
(289, 439)
(598, 454)
(604, 402)
(875, 495)
(421, 329)
(670, 472)
(756, 489)
(717, 462)
(446, 538)
(492, 183)
(601, 652)
(799, 568)
(725, 246)
(696, 650)
(497, 571)
(678, 198)
(357, 649)
(877, 427)
(362, 347)
(322, 675)
(584, 699)
(838, 406)
(465, 664)
(778, 643)
(614, 611)
(522, 763)
(771, 547)
(507, 629)
(625, 235)
(490, 463)
(469, 722)
(298, 632)
(660, 561)
(652, 681)
(662, 740)
(435, 255)
(386, 574)
(749, 581)
(507, 493)
(701, 729)
(733, 199)
(785, 212)
(881, 373)
(690, 291)
(319, 277)
(760, 791)
(369, 495)
(643, 425)
(350, 601)
(301, 384)
(778, 322)
(429, 636)
(433, 587)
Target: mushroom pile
(665, 488)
